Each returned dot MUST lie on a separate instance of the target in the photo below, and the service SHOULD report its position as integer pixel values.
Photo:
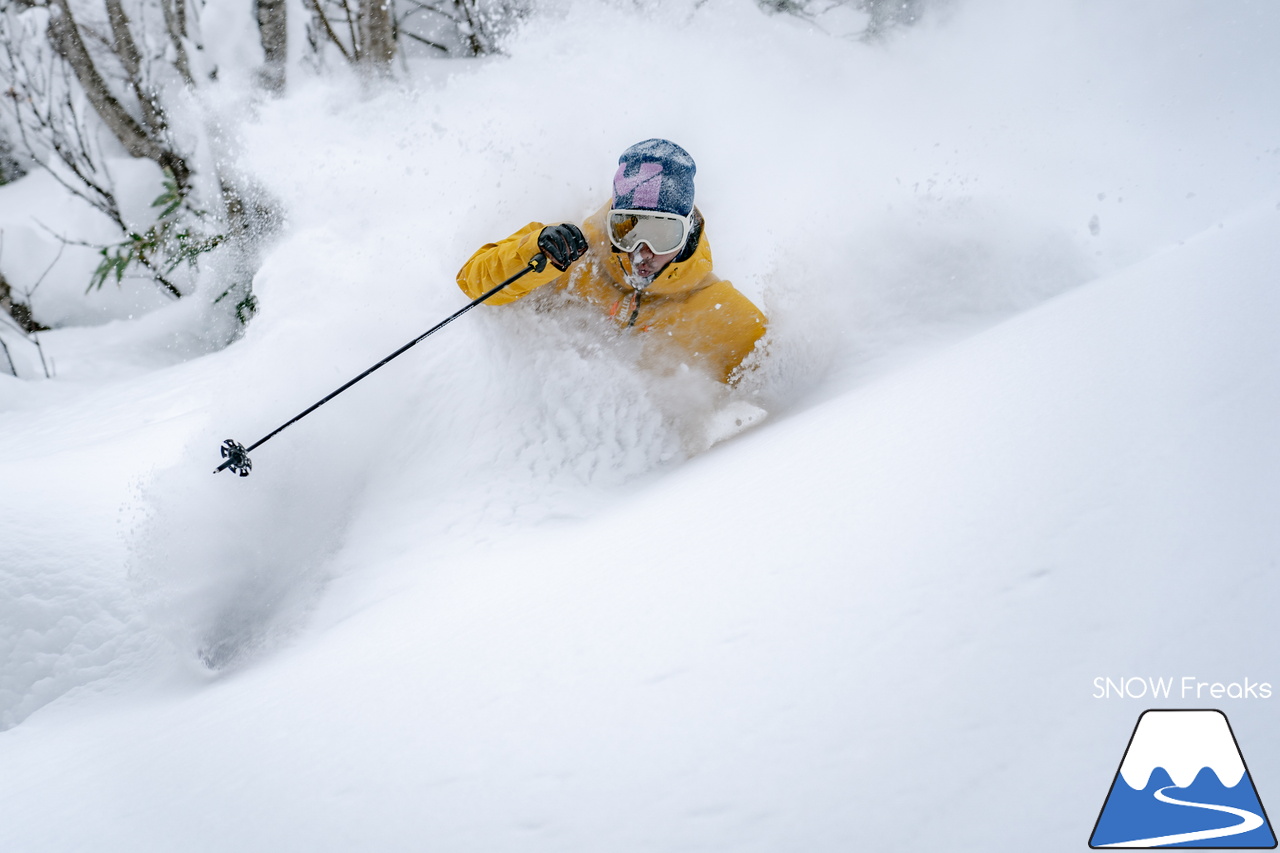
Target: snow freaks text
(1186, 687)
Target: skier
(646, 264)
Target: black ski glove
(562, 244)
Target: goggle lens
(663, 232)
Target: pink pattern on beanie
(644, 187)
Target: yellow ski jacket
(708, 322)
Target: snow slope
(494, 599)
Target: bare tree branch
(68, 82)
(418, 38)
(9, 358)
(328, 30)
(175, 24)
(350, 18)
(18, 311)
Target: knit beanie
(654, 175)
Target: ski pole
(237, 455)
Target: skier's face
(645, 263)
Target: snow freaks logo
(1183, 783)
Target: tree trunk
(377, 34)
(274, 34)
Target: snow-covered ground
(1023, 386)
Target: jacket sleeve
(719, 327)
(494, 263)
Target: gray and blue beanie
(654, 175)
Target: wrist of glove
(562, 244)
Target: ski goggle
(663, 232)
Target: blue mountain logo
(1183, 783)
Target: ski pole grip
(538, 262)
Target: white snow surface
(1023, 384)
